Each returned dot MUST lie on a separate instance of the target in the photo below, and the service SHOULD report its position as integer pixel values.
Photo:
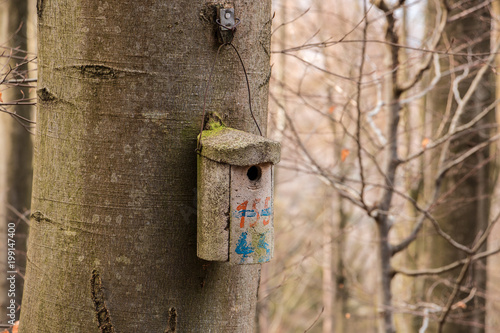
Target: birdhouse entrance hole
(254, 173)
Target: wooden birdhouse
(235, 196)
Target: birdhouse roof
(231, 146)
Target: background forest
(386, 198)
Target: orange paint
(243, 207)
(254, 207)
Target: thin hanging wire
(210, 79)
(248, 87)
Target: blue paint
(263, 245)
(245, 213)
(242, 247)
(266, 211)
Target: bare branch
(435, 80)
(316, 320)
(445, 168)
(458, 130)
(458, 282)
(377, 41)
(457, 81)
(426, 64)
(19, 81)
(358, 108)
(426, 215)
(447, 268)
(321, 69)
(369, 116)
(465, 100)
(21, 216)
(484, 237)
(344, 190)
(464, 13)
(291, 21)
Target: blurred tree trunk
(410, 115)
(263, 312)
(493, 266)
(465, 196)
(112, 245)
(16, 147)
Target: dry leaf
(343, 154)
(425, 142)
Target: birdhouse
(235, 196)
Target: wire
(248, 87)
(198, 148)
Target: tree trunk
(113, 241)
(16, 152)
(465, 195)
(493, 266)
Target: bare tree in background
(404, 160)
(465, 191)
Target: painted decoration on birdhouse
(252, 230)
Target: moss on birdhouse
(227, 145)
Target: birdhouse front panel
(251, 205)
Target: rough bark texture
(16, 149)
(120, 95)
(466, 190)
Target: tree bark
(113, 241)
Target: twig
(446, 268)
(461, 106)
(458, 130)
(430, 87)
(344, 190)
(425, 65)
(445, 168)
(358, 108)
(18, 81)
(18, 213)
(458, 282)
(457, 81)
(466, 12)
(316, 320)
(370, 114)
(291, 21)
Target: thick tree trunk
(465, 195)
(120, 95)
(493, 266)
(15, 152)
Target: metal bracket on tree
(227, 23)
